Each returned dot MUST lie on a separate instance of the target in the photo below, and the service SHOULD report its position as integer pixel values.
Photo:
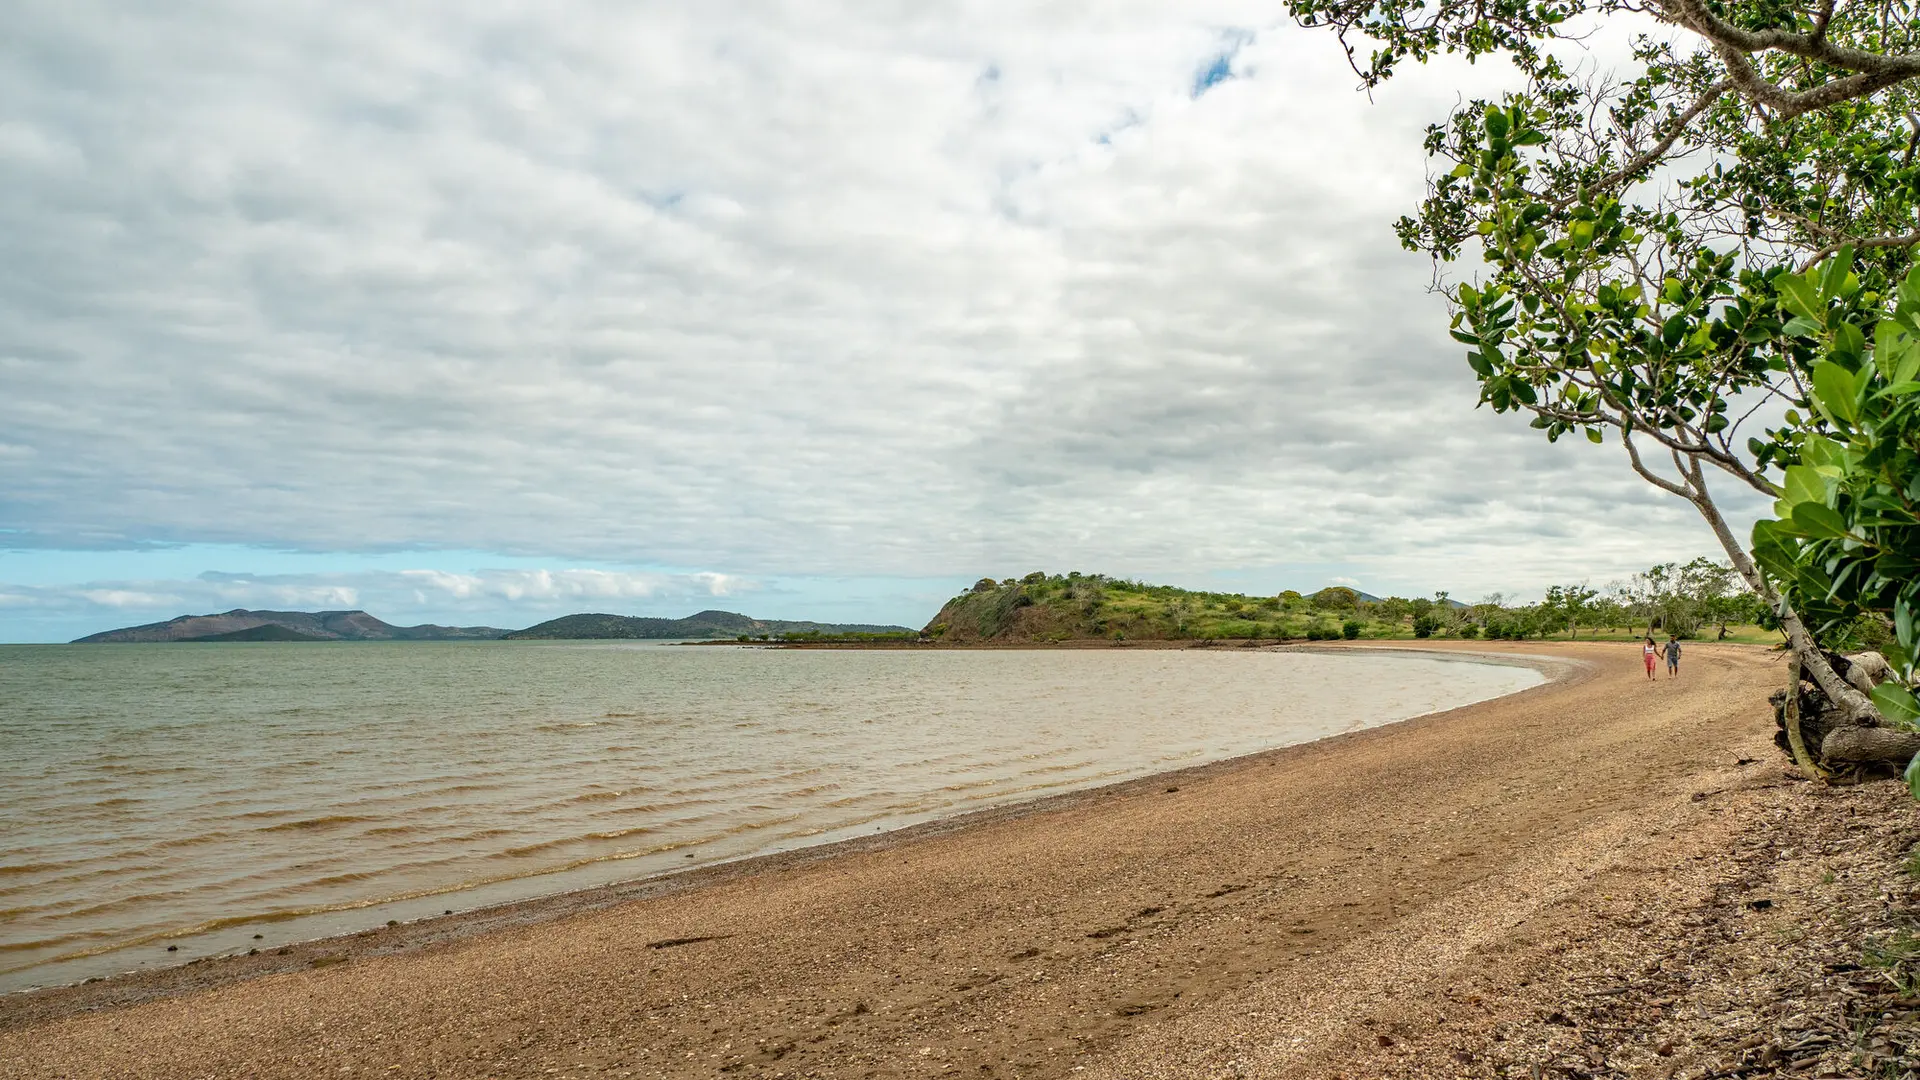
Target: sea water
(198, 795)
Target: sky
(482, 313)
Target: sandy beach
(1411, 900)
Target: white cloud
(517, 585)
(779, 291)
(128, 598)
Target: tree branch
(1661, 482)
(1742, 74)
(1695, 16)
(1653, 154)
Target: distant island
(237, 624)
(242, 625)
(704, 624)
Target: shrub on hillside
(1351, 629)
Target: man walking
(1673, 656)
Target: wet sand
(1272, 915)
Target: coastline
(1125, 929)
(188, 976)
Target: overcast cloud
(672, 296)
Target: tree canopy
(1692, 255)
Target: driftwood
(1866, 745)
(1857, 750)
(1816, 715)
(1865, 670)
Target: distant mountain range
(242, 625)
(303, 625)
(705, 624)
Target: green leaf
(1833, 389)
(1889, 345)
(1848, 340)
(1480, 365)
(1818, 520)
(1804, 485)
(1798, 297)
(1897, 704)
(1913, 776)
(1798, 326)
(1594, 436)
(1834, 273)
(1820, 450)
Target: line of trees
(1701, 598)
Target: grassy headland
(1040, 608)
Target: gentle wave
(325, 821)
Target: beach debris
(671, 943)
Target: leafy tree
(1566, 605)
(1846, 543)
(1658, 241)
(1335, 598)
(1394, 609)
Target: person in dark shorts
(1673, 656)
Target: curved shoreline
(1419, 881)
(190, 976)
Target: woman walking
(1649, 652)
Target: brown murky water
(198, 796)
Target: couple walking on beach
(1650, 652)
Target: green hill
(1042, 607)
(702, 625)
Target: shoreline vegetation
(1336, 906)
(1697, 601)
(1042, 608)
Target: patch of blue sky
(1219, 67)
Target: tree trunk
(1796, 739)
(1854, 706)
(1863, 745)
